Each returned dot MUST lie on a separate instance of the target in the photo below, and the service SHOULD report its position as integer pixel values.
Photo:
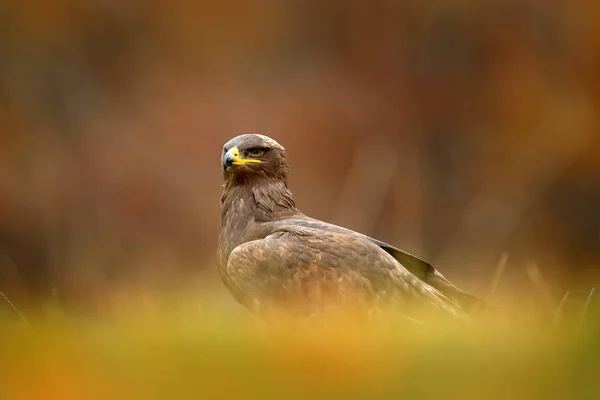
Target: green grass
(180, 350)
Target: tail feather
(428, 274)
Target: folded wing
(304, 267)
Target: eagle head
(253, 156)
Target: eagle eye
(255, 152)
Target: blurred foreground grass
(190, 350)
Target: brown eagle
(272, 254)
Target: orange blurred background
(455, 131)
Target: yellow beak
(232, 157)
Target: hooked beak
(232, 157)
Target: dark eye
(255, 152)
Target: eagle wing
(426, 272)
(304, 267)
(419, 268)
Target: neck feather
(263, 199)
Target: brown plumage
(272, 254)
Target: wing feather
(421, 269)
(305, 266)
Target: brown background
(457, 132)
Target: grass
(172, 354)
(182, 349)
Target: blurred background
(457, 132)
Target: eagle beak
(232, 157)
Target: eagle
(272, 256)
